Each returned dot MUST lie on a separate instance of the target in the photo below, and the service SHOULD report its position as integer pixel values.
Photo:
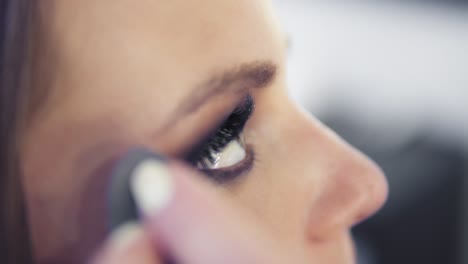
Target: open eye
(231, 155)
(224, 154)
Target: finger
(194, 221)
(127, 245)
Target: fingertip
(121, 202)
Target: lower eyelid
(229, 174)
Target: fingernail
(152, 186)
(124, 236)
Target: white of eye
(231, 155)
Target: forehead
(112, 45)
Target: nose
(348, 186)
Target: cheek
(277, 190)
(67, 218)
(66, 209)
(276, 201)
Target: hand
(188, 219)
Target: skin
(117, 73)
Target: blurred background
(391, 77)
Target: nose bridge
(351, 187)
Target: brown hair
(15, 39)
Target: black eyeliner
(229, 130)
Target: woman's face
(164, 75)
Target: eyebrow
(254, 75)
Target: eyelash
(230, 130)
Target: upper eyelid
(212, 132)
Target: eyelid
(194, 148)
(205, 137)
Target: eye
(224, 155)
(229, 156)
